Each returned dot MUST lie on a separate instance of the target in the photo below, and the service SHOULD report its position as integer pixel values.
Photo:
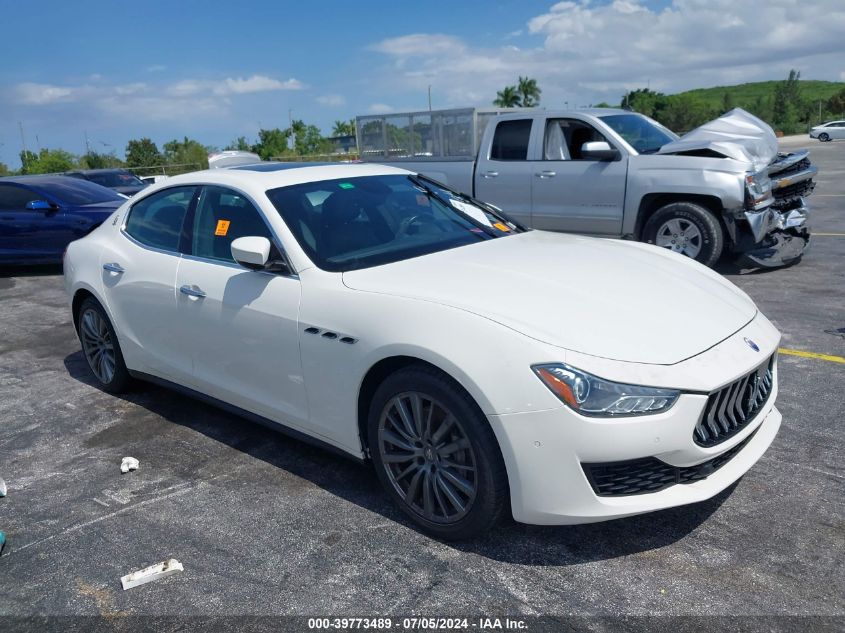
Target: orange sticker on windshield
(502, 227)
(222, 228)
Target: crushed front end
(777, 230)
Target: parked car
(151, 180)
(828, 131)
(40, 215)
(480, 366)
(722, 188)
(231, 157)
(119, 180)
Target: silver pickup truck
(723, 188)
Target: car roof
(37, 179)
(269, 175)
(104, 170)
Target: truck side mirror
(599, 150)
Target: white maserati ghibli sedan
(481, 367)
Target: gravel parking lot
(266, 525)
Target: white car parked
(480, 366)
(828, 131)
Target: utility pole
(429, 97)
(23, 139)
(290, 127)
(87, 144)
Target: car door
(138, 271)
(503, 176)
(240, 324)
(30, 234)
(837, 130)
(571, 192)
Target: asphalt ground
(266, 525)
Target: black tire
(489, 477)
(712, 236)
(824, 137)
(119, 379)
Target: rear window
(157, 219)
(77, 192)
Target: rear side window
(222, 216)
(15, 198)
(510, 142)
(157, 220)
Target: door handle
(490, 174)
(113, 267)
(545, 174)
(192, 291)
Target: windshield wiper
(488, 230)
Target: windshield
(354, 223)
(115, 179)
(78, 192)
(641, 133)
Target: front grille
(649, 474)
(733, 406)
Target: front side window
(366, 221)
(640, 132)
(157, 219)
(510, 141)
(565, 139)
(222, 216)
(15, 198)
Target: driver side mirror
(39, 205)
(599, 150)
(253, 252)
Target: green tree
(727, 102)
(187, 153)
(787, 103)
(645, 102)
(344, 128)
(143, 153)
(4, 170)
(48, 161)
(93, 160)
(529, 92)
(683, 112)
(836, 104)
(239, 144)
(308, 140)
(507, 97)
(272, 143)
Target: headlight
(758, 190)
(594, 396)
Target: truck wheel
(824, 137)
(688, 229)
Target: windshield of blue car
(115, 179)
(641, 133)
(78, 192)
(354, 223)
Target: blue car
(41, 215)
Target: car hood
(619, 300)
(736, 134)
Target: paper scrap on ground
(154, 572)
(129, 463)
(2, 488)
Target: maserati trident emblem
(751, 343)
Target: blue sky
(218, 70)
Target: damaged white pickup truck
(722, 189)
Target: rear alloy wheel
(436, 455)
(688, 229)
(824, 137)
(100, 347)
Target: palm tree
(507, 98)
(529, 92)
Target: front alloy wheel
(427, 457)
(681, 236)
(435, 453)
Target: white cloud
(380, 108)
(333, 101)
(587, 52)
(156, 68)
(231, 86)
(42, 94)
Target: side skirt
(248, 415)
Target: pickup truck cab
(614, 173)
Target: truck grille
(733, 406)
(649, 474)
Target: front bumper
(550, 454)
(782, 236)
